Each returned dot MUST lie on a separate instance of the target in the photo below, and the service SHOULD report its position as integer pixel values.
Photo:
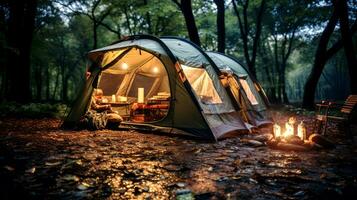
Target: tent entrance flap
(136, 87)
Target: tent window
(248, 91)
(202, 84)
(110, 82)
(141, 81)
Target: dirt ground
(39, 161)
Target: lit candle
(140, 95)
(113, 98)
(289, 130)
(277, 130)
(301, 131)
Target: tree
(186, 9)
(20, 27)
(346, 35)
(221, 30)
(94, 10)
(248, 35)
(323, 54)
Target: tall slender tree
(20, 28)
(249, 36)
(346, 35)
(221, 30)
(323, 53)
(186, 9)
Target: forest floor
(39, 161)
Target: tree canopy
(44, 43)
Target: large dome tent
(179, 87)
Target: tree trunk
(283, 87)
(341, 6)
(186, 9)
(319, 63)
(221, 31)
(95, 35)
(148, 19)
(19, 36)
(245, 29)
(48, 83)
(38, 75)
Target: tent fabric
(224, 63)
(243, 89)
(199, 105)
(188, 55)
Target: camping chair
(345, 116)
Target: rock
(253, 181)
(223, 178)
(299, 194)
(31, 170)
(52, 163)
(172, 167)
(83, 186)
(181, 184)
(7, 167)
(184, 194)
(70, 178)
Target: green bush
(32, 110)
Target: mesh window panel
(109, 83)
(141, 81)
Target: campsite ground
(39, 161)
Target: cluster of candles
(290, 127)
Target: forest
(300, 51)
(178, 99)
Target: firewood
(293, 147)
(321, 140)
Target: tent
(248, 95)
(166, 84)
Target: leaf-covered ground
(39, 161)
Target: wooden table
(120, 104)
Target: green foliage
(64, 34)
(33, 110)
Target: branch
(95, 5)
(339, 44)
(109, 28)
(177, 3)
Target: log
(321, 140)
(290, 147)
